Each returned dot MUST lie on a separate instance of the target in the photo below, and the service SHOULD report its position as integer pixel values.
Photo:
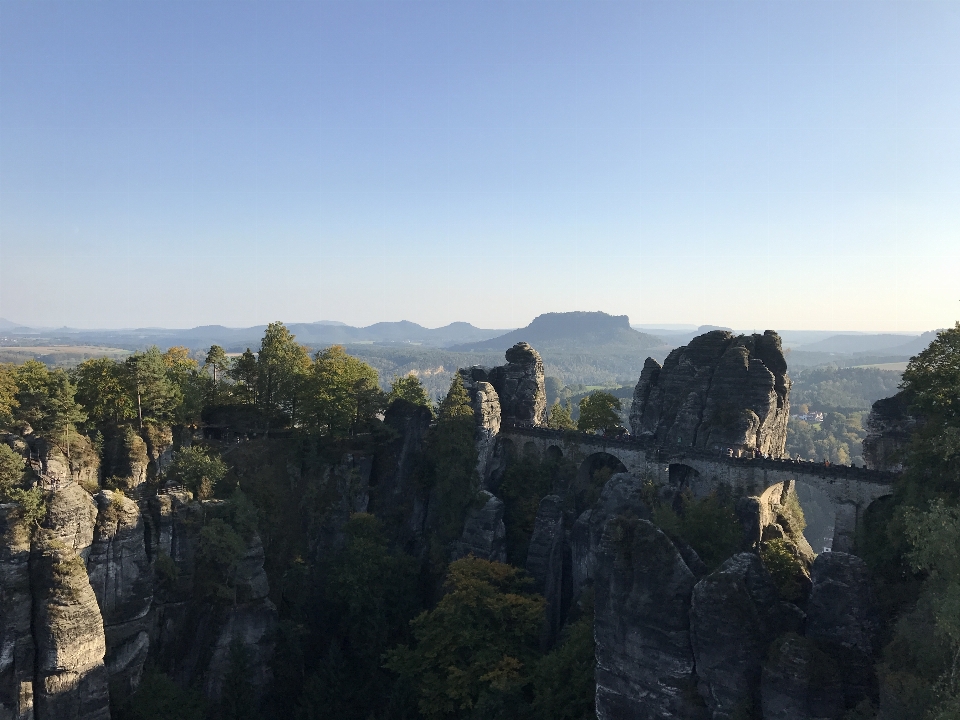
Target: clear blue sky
(752, 164)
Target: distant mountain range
(325, 332)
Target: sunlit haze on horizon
(748, 164)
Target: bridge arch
(592, 475)
(554, 453)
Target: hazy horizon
(757, 165)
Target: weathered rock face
(622, 495)
(800, 682)
(125, 459)
(71, 516)
(889, 426)
(484, 534)
(16, 641)
(718, 391)
(549, 564)
(486, 409)
(645, 664)
(734, 614)
(842, 619)
(71, 678)
(249, 624)
(519, 385)
(122, 579)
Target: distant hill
(860, 343)
(590, 332)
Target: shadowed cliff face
(719, 391)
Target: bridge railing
(668, 455)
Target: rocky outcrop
(842, 618)
(645, 663)
(889, 426)
(621, 496)
(734, 614)
(719, 391)
(125, 459)
(549, 565)
(248, 627)
(801, 682)
(16, 641)
(488, 413)
(484, 534)
(70, 679)
(122, 579)
(519, 387)
(71, 516)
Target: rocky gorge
(113, 582)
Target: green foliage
(160, 698)
(8, 393)
(843, 390)
(600, 411)
(708, 524)
(12, 467)
(237, 698)
(838, 439)
(561, 417)
(343, 393)
(33, 508)
(243, 372)
(450, 461)
(46, 399)
(197, 470)
(932, 378)
(784, 567)
(218, 554)
(564, 685)
(282, 367)
(155, 395)
(476, 650)
(408, 388)
(370, 595)
(103, 391)
(525, 483)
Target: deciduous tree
(599, 411)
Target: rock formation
(519, 385)
(549, 564)
(70, 678)
(800, 682)
(734, 614)
(889, 426)
(720, 391)
(484, 535)
(17, 650)
(621, 496)
(645, 664)
(121, 575)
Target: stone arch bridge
(851, 490)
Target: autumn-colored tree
(476, 650)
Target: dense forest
(376, 620)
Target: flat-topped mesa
(720, 391)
